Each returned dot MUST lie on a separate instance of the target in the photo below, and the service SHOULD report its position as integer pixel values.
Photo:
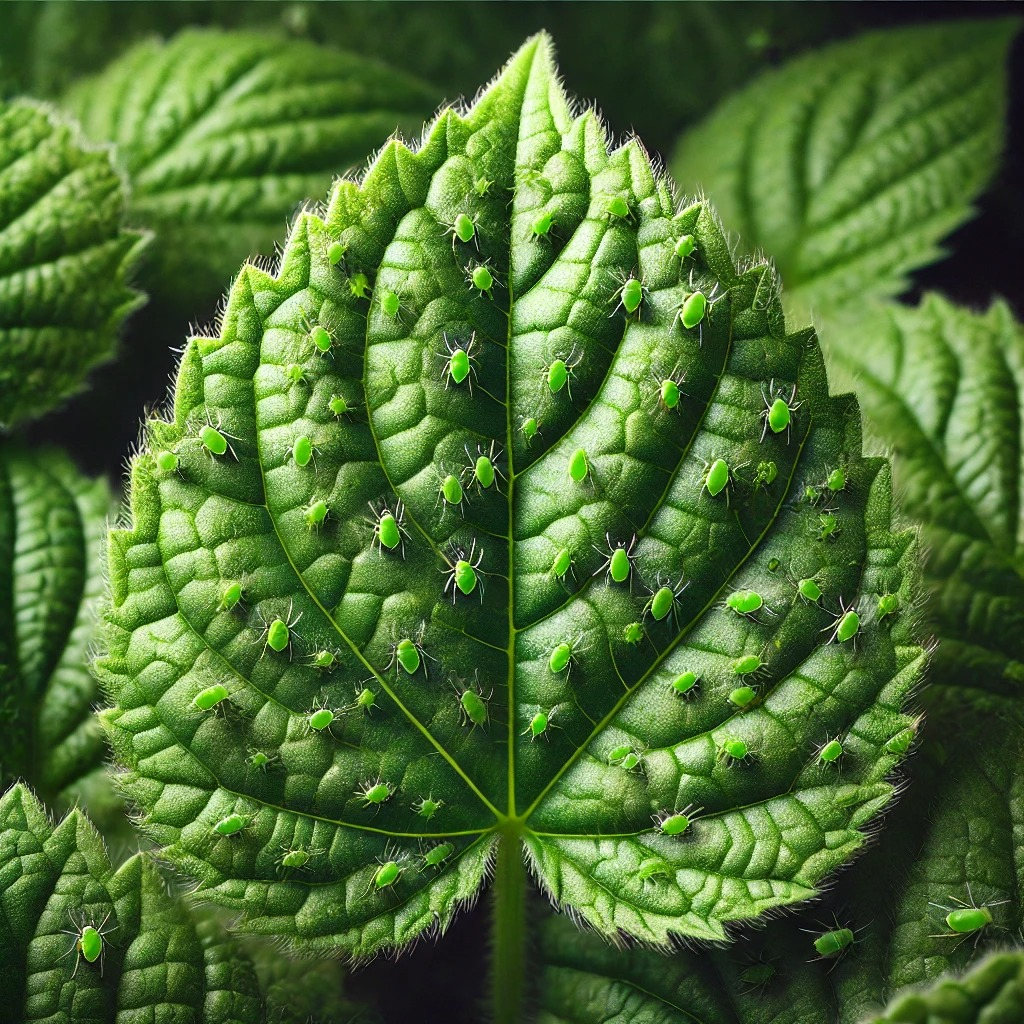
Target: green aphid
(373, 794)
(481, 279)
(685, 684)
(473, 708)
(321, 719)
(387, 875)
(685, 246)
(747, 664)
(833, 942)
(167, 462)
(717, 477)
(231, 598)
(561, 563)
(530, 428)
(888, 604)
(437, 855)
(744, 602)
(675, 823)
(335, 252)
(541, 225)
(742, 697)
(359, 286)
(426, 807)
(213, 440)
(830, 752)
(211, 698)
(316, 513)
(539, 725)
(809, 590)
(733, 750)
(633, 633)
(616, 207)
(579, 467)
(231, 825)
(302, 451)
(324, 659)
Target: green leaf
(53, 524)
(223, 135)
(64, 260)
(943, 388)
(578, 758)
(848, 166)
(156, 961)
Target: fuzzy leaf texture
(53, 526)
(943, 388)
(397, 638)
(223, 135)
(65, 259)
(848, 166)
(156, 962)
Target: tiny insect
(316, 513)
(231, 825)
(472, 706)
(293, 859)
(295, 373)
(888, 604)
(321, 717)
(747, 665)
(633, 633)
(388, 528)
(836, 480)
(302, 452)
(846, 626)
(618, 560)
(539, 724)
(387, 875)
(482, 470)
(408, 655)
(808, 590)
(765, 474)
(88, 942)
(675, 823)
(828, 527)
(627, 758)
(374, 793)
(718, 477)
(778, 410)
(464, 229)
(482, 185)
(450, 491)
(231, 597)
(562, 654)
(277, 632)
(662, 602)
(833, 943)
(541, 225)
(480, 278)
(628, 296)
(211, 698)
(616, 208)
(426, 807)
(652, 869)
(562, 563)
(339, 406)
(694, 308)
(746, 603)
(530, 428)
(335, 252)
(579, 467)
(743, 697)
(733, 750)
(830, 752)
(902, 741)
(685, 684)
(167, 461)
(365, 700)
(359, 286)
(325, 659)
(319, 337)
(391, 303)
(558, 374)
(214, 439)
(965, 919)
(463, 573)
(685, 246)
(757, 976)
(437, 855)
(459, 361)
(668, 391)
(260, 759)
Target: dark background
(652, 68)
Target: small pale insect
(661, 603)
(809, 591)
(320, 719)
(258, 759)
(561, 563)
(692, 311)
(407, 654)
(630, 295)
(625, 757)
(231, 825)
(338, 406)
(685, 684)
(747, 664)
(321, 338)
(335, 253)
(483, 471)
(530, 428)
(669, 393)
(633, 633)
(616, 206)
(558, 376)
(211, 697)
(166, 462)
(294, 859)
(901, 742)
(481, 278)
(463, 228)
(540, 226)
(836, 480)
(967, 920)
(482, 185)
(465, 576)
(459, 365)
(374, 793)
(90, 944)
(560, 657)
(538, 725)
(316, 513)
(742, 697)
(324, 659)
(359, 286)
(757, 975)
(846, 627)
(213, 440)
(387, 875)
(653, 868)
(474, 707)
(685, 246)
(828, 527)
(733, 749)
(773, 564)
(888, 604)
(451, 490)
(295, 373)
(833, 942)
(302, 451)
(765, 473)
(390, 304)
(579, 468)
(830, 752)
(744, 602)
(437, 855)
(426, 807)
(278, 635)
(231, 597)
(717, 477)
(365, 698)
(674, 824)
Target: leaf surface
(65, 259)
(223, 135)
(53, 523)
(257, 485)
(850, 165)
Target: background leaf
(849, 165)
(64, 260)
(53, 522)
(224, 135)
(247, 513)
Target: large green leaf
(64, 259)
(574, 758)
(53, 524)
(943, 389)
(849, 166)
(224, 135)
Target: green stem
(508, 931)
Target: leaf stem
(508, 930)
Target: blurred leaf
(224, 135)
(849, 165)
(64, 260)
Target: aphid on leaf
(746, 604)
(846, 626)
(668, 391)
(374, 793)
(365, 700)
(388, 527)
(579, 466)
(211, 698)
(685, 246)
(295, 373)
(321, 716)
(733, 750)
(662, 602)
(541, 225)
(391, 303)
(627, 757)
(277, 632)
(540, 723)
(628, 296)
(480, 278)
(676, 823)
(616, 207)
(530, 428)
(482, 471)
(482, 185)
(693, 310)
(324, 659)
(340, 406)
(899, 743)
(808, 590)
(408, 655)
(778, 410)
(318, 336)
(260, 759)
(459, 361)
(562, 564)
(618, 560)
(463, 573)
(757, 976)
(391, 868)
(562, 654)
(743, 697)
(450, 491)
(652, 869)
(167, 461)
(436, 855)
(464, 229)
(359, 285)
(316, 513)
(426, 807)
(830, 752)
(633, 633)
(888, 604)
(836, 480)
(833, 943)
(472, 705)
(747, 665)
(965, 919)
(89, 944)
(685, 684)
(214, 439)
(765, 474)
(719, 478)
(231, 598)
(828, 527)
(294, 859)
(335, 252)
(231, 824)
(558, 374)
(302, 452)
